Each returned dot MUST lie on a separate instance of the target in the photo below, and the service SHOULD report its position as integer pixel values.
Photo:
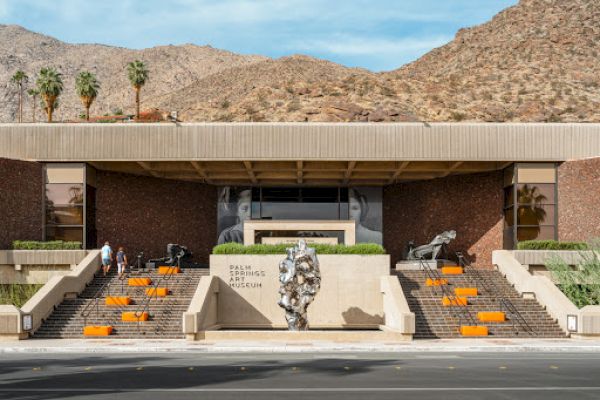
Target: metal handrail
(168, 311)
(463, 312)
(504, 302)
(145, 303)
(94, 301)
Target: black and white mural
(364, 207)
(361, 204)
(234, 207)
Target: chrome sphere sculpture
(300, 281)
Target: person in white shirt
(107, 256)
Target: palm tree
(87, 87)
(20, 78)
(531, 211)
(138, 75)
(50, 85)
(34, 93)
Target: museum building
(145, 185)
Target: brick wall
(20, 201)
(145, 214)
(469, 204)
(579, 200)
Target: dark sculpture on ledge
(432, 249)
(300, 281)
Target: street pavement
(422, 375)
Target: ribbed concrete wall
(300, 141)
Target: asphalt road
(301, 376)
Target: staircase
(165, 313)
(435, 320)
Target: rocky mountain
(536, 61)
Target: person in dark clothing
(121, 261)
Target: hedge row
(236, 248)
(551, 245)
(51, 245)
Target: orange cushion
(491, 316)
(132, 317)
(139, 281)
(474, 330)
(471, 291)
(97, 330)
(158, 292)
(168, 270)
(436, 282)
(456, 301)
(117, 301)
(452, 270)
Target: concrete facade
(350, 295)
(470, 204)
(20, 201)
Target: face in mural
(235, 207)
(358, 210)
(244, 209)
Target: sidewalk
(183, 346)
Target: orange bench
(168, 270)
(466, 291)
(452, 270)
(473, 330)
(139, 281)
(117, 301)
(491, 316)
(436, 282)
(131, 316)
(158, 292)
(97, 330)
(456, 301)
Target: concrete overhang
(300, 153)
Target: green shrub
(236, 248)
(551, 245)
(51, 245)
(581, 285)
(17, 294)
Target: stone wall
(470, 204)
(145, 214)
(20, 201)
(579, 200)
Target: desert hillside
(536, 61)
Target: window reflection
(64, 193)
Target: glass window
(67, 234)
(536, 193)
(64, 193)
(64, 215)
(535, 233)
(65, 173)
(536, 215)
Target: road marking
(451, 367)
(242, 368)
(140, 368)
(319, 389)
(88, 368)
(190, 369)
(36, 369)
(502, 367)
(553, 367)
(347, 368)
(398, 367)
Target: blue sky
(374, 34)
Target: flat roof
(300, 153)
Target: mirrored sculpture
(300, 281)
(432, 249)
